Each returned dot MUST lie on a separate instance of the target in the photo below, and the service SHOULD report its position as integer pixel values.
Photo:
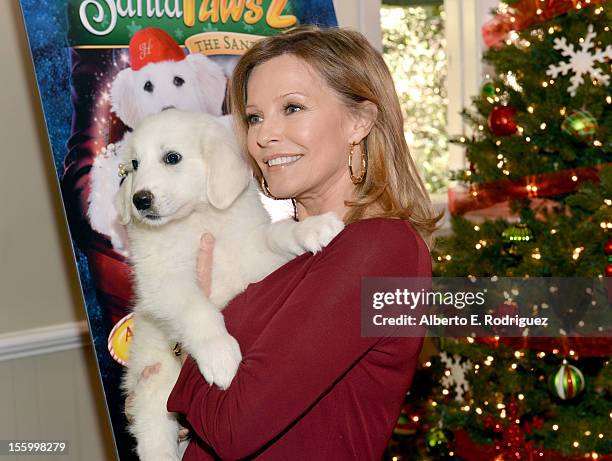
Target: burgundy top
(309, 386)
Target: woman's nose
(269, 132)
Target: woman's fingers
(183, 434)
(205, 261)
(150, 370)
(128, 404)
(129, 400)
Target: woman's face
(299, 131)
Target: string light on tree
(608, 253)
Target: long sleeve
(308, 346)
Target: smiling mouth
(152, 217)
(283, 160)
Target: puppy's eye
(148, 87)
(135, 164)
(178, 81)
(172, 158)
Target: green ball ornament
(567, 382)
(488, 90)
(580, 124)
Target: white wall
(361, 15)
(464, 19)
(37, 276)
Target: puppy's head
(194, 84)
(179, 161)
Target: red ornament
(501, 121)
(524, 14)
(608, 247)
(608, 270)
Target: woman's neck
(325, 200)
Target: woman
(319, 116)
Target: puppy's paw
(218, 359)
(315, 232)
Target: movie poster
(88, 55)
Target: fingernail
(207, 239)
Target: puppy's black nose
(142, 200)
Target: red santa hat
(153, 45)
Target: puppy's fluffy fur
(209, 189)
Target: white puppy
(194, 84)
(188, 177)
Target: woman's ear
(363, 120)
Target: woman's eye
(148, 86)
(252, 119)
(293, 108)
(172, 158)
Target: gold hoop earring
(264, 188)
(364, 164)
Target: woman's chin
(281, 191)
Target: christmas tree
(534, 201)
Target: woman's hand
(204, 273)
(204, 263)
(204, 270)
(129, 400)
(183, 433)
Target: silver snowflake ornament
(456, 376)
(582, 61)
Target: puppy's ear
(123, 199)
(211, 83)
(228, 173)
(124, 98)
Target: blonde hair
(357, 73)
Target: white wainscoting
(50, 389)
(43, 340)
